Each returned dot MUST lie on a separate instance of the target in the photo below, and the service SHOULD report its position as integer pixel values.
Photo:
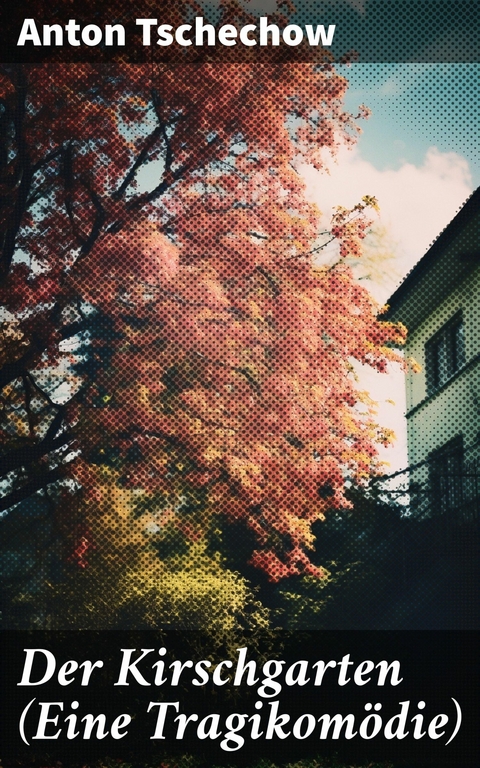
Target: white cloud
(416, 204)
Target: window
(445, 354)
(446, 476)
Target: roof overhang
(452, 257)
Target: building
(439, 302)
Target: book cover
(239, 384)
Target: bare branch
(142, 156)
(27, 490)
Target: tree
(159, 261)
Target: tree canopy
(167, 327)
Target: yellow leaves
(12, 342)
(205, 314)
(364, 397)
(188, 589)
(385, 436)
(349, 423)
(212, 454)
(244, 471)
(11, 394)
(17, 424)
(255, 311)
(197, 427)
(195, 592)
(298, 528)
(12, 409)
(413, 365)
(371, 202)
(318, 393)
(362, 459)
(402, 331)
(144, 395)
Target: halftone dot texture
(179, 400)
(422, 105)
(374, 30)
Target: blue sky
(417, 106)
(418, 155)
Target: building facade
(439, 302)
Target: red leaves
(268, 562)
(297, 563)
(350, 227)
(225, 365)
(83, 544)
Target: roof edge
(468, 209)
